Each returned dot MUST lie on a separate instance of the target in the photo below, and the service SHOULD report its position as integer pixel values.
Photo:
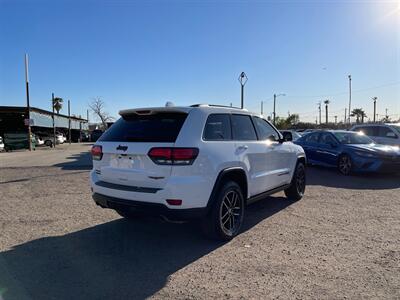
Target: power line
(344, 93)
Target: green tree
(359, 113)
(57, 104)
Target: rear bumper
(149, 209)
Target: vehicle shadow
(120, 259)
(79, 161)
(330, 177)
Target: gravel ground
(340, 241)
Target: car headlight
(365, 154)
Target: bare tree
(98, 107)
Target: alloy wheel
(301, 180)
(345, 165)
(231, 212)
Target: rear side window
(386, 132)
(264, 130)
(218, 128)
(312, 137)
(327, 138)
(158, 128)
(242, 128)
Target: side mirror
(287, 136)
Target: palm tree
(58, 103)
(359, 113)
(326, 102)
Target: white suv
(200, 162)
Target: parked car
(60, 137)
(47, 138)
(290, 135)
(200, 162)
(1, 144)
(39, 140)
(349, 151)
(387, 134)
(95, 135)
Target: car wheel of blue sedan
(344, 164)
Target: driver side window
(264, 130)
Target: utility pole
(28, 107)
(374, 99)
(335, 120)
(274, 108)
(386, 115)
(262, 103)
(69, 122)
(319, 109)
(242, 79)
(345, 115)
(349, 98)
(54, 127)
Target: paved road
(341, 241)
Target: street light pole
(262, 103)
(28, 107)
(274, 108)
(374, 99)
(242, 79)
(275, 96)
(69, 122)
(54, 127)
(349, 98)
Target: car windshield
(396, 127)
(352, 138)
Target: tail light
(173, 156)
(97, 152)
(175, 202)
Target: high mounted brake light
(97, 152)
(173, 156)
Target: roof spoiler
(152, 110)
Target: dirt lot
(341, 241)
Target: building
(13, 119)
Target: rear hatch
(126, 144)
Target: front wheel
(226, 215)
(298, 184)
(344, 164)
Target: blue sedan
(349, 151)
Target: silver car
(385, 134)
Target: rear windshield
(159, 128)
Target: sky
(145, 53)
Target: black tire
(226, 214)
(48, 143)
(344, 164)
(298, 184)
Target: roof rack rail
(214, 105)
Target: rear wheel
(344, 164)
(225, 218)
(298, 185)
